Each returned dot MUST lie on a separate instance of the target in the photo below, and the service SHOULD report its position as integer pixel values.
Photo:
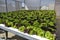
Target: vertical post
(54, 4)
(17, 5)
(24, 3)
(6, 35)
(6, 5)
(40, 5)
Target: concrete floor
(57, 8)
(58, 29)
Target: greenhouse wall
(13, 5)
(2, 6)
(57, 8)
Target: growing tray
(21, 34)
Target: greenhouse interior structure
(13, 5)
(29, 19)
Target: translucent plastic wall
(13, 5)
(7, 5)
(2, 6)
(47, 4)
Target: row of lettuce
(34, 22)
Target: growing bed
(33, 22)
(21, 34)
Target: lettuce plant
(34, 22)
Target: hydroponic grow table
(24, 35)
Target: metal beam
(6, 6)
(6, 35)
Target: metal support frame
(6, 6)
(6, 34)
